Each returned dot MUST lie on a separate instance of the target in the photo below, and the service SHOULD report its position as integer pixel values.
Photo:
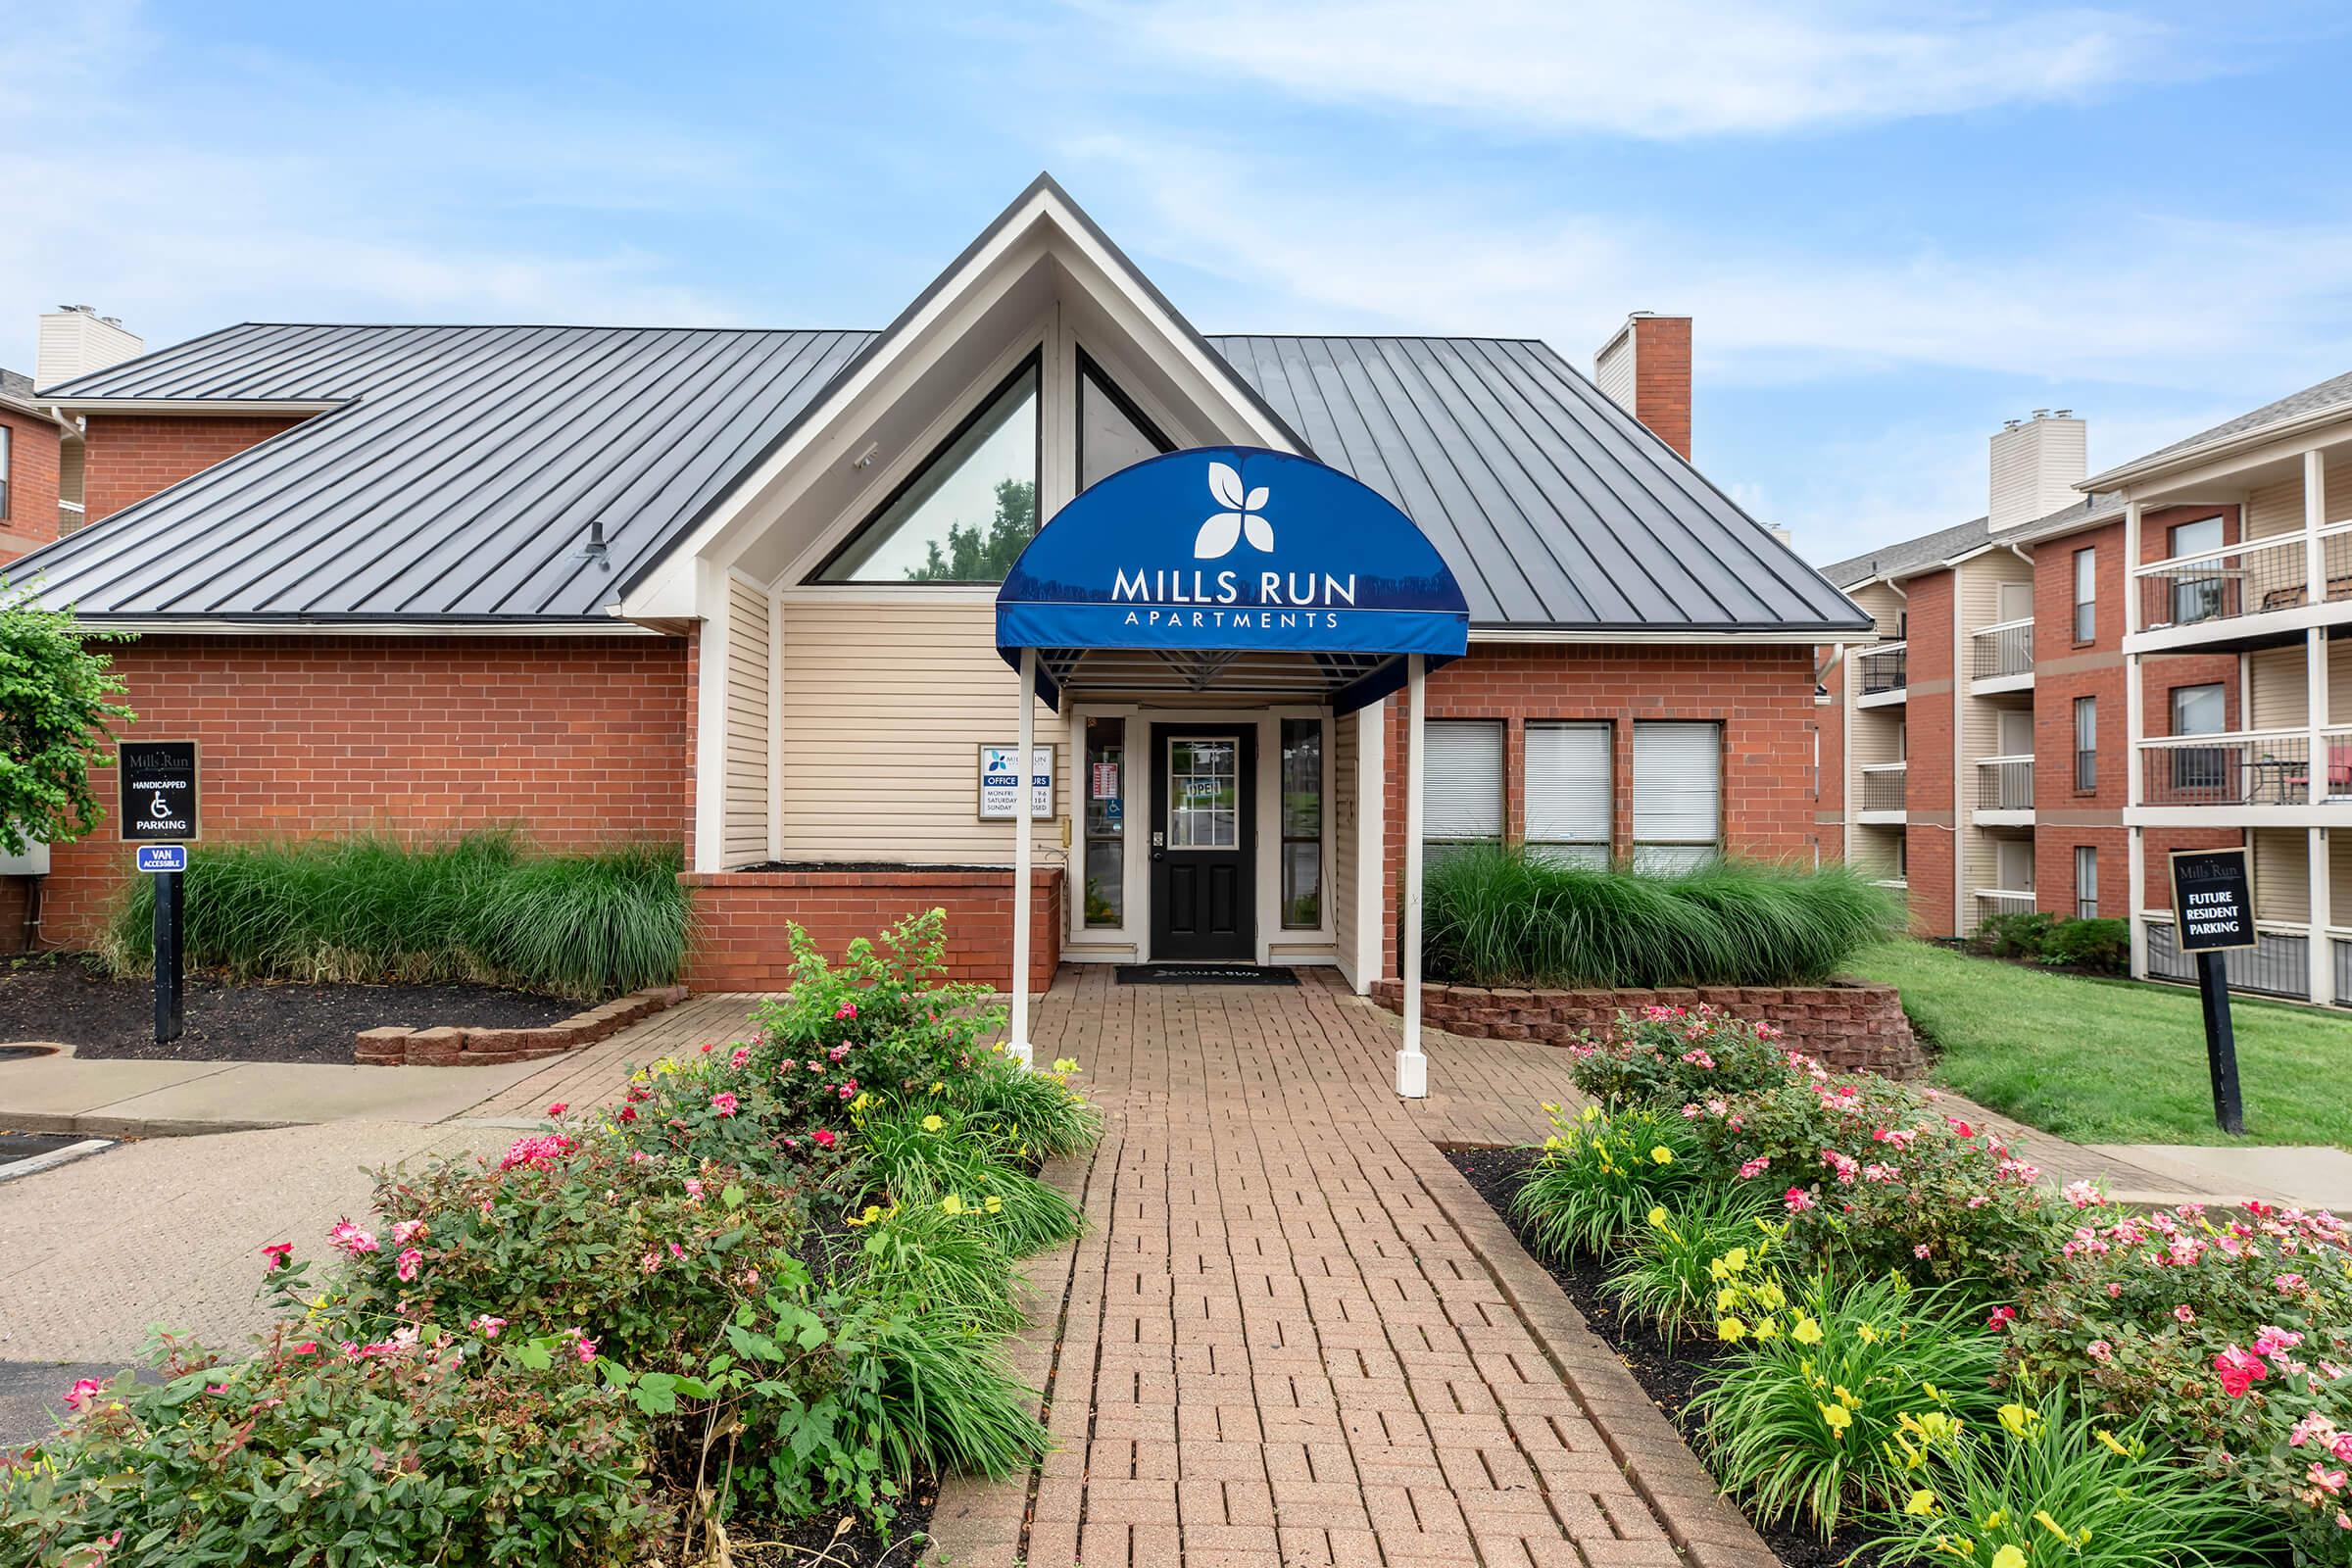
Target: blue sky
(1895, 225)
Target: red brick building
(738, 589)
(30, 445)
(2063, 692)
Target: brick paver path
(1293, 1334)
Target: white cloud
(1666, 69)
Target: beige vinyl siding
(1339, 875)
(2281, 876)
(747, 705)
(1873, 850)
(2339, 882)
(1980, 582)
(1884, 606)
(884, 710)
(2281, 686)
(2276, 508)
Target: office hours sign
(157, 781)
(1001, 783)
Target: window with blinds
(1678, 796)
(1568, 795)
(1461, 782)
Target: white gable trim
(1041, 225)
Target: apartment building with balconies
(2104, 669)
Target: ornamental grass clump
(1509, 915)
(372, 908)
(1600, 1175)
(1837, 1391)
(2047, 1483)
(912, 1155)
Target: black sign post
(157, 781)
(2213, 907)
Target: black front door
(1203, 844)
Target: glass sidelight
(1105, 816)
(1302, 823)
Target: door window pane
(2201, 711)
(969, 509)
(1112, 432)
(1570, 804)
(1678, 796)
(2199, 595)
(1105, 788)
(1461, 782)
(1205, 793)
(1302, 823)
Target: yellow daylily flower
(1837, 1417)
(2009, 1558)
(934, 1122)
(1767, 1328)
(1659, 1218)
(1660, 1155)
(2108, 1442)
(1807, 1331)
(1731, 1331)
(992, 1203)
(952, 1203)
(2017, 1419)
(1867, 1333)
(2041, 1517)
(1923, 1501)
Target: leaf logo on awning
(1223, 530)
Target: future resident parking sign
(158, 791)
(2213, 899)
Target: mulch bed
(751, 1543)
(1669, 1375)
(62, 999)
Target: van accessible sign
(2213, 900)
(1231, 548)
(157, 781)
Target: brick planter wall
(1845, 1023)
(739, 919)
(397, 1046)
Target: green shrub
(1600, 1176)
(2049, 1484)
(395, 1452)
(1833, 1389)
(1873, 1174)
(1509, 915)
(2102, 947)
(1677, 1263)
(1025, 1115)
(1669, 1057)
(933, 1262)
(2021, 935)
(904, 1025)
(475, 908)
(912, 1155)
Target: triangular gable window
(1112, 432)
(964, 516)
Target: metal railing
(2228, 581)
(2003, 650)
(1882, 668)
(1883, 785)
(2266, 767)
(2005, 784)
(2003, 900)
(2278, 965)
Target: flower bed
(763, 1297)
(1913, 1344)
(1846, 1023)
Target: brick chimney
(1646, 368)
(2035, 465)
(75, 340)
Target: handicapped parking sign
(163, 856)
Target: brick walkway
(1293, 1334)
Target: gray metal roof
(2334, 392)
(458, 475)
(1909, 555)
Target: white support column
(1412, 1067)
(2135, 840)
(710, 721)
(2323, 907)
(1024, 833)
(1371, 840)
(2315, 517)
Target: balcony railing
(2344, 967)
(2003, 650)
(2268, 768)
(2248, 578)
(1882, 785)
(2005, 784)
(2278, 965)
(2003, 900)
(1882, 669)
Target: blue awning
(1231, 568)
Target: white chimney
(2036, 465)
(76, 340)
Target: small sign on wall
(1001, 783)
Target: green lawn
(2108, 1062)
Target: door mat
(1205, 974)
